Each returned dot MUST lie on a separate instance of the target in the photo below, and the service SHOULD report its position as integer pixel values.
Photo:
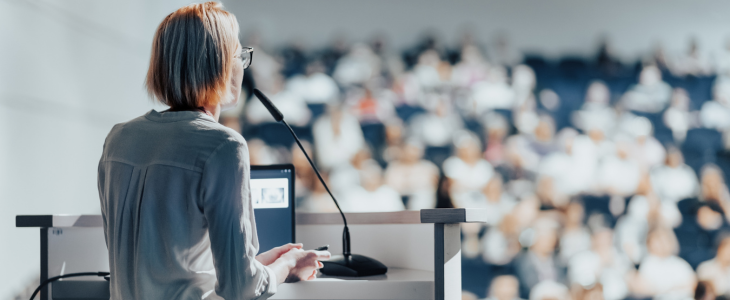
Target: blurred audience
(716, 271)
(413, 177)
(587, 168)
(651, 94)
(662, 274)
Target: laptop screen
(272, 194)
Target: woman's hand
(269, 257)
(299, 265)
(308, 262)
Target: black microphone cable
(52, 279)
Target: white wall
(554, 27)
(71, 69)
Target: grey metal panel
(44, 263)
(80, 290)
(58, 221)
(34, 221)
(454, 215)
(447, 261)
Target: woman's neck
(213, 111)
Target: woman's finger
(320, 265)
(313, 276)
(287, 247)
(323, 255)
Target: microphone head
(269, 105)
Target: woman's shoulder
(195, 138)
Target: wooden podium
(422, 250)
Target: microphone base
(353, 265)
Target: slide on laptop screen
(272, 194)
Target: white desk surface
(396, 284)
(400, 284)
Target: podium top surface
(438, 215)
(397, 284)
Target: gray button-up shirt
(178, 220)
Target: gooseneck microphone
(348, 264)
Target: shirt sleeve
(228, 210)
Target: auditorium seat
(701, 147)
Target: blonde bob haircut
(192, 56)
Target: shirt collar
(174, 116)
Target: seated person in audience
(596, 112)
(373, 195)
(539, 263)
(500, 244)
(542, 141)
(619, 174)
(315, 87)
(604, 147)
(437, 127)
(370, 108)
(337, 137)
(519, 161)
(431, 72)
(496, 129)
(594, 292)
(674, 180)
(318, 200)
(394, 133)
(646, 150)
(574, 168)
(550, 101)
(523, 83)
(603, 264)
(493, 93)
(651, 95)
(504, 287)
(714, 189)
(632, 228)
(468, 171)
(693, 62)
(470, 239)
(549, 196)
(550, 290)
(359, 66)
(717, 270)
(662, 274)
(267, 67)
(347, 176)
(492, 197)
(471, 69)
(678, 117)
(413, 177)
(261, 154)
(525, 116)
(697, 236)
(290, 103)
(715, 114)
(305, 178)
(575, 237)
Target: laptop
(272, 195)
